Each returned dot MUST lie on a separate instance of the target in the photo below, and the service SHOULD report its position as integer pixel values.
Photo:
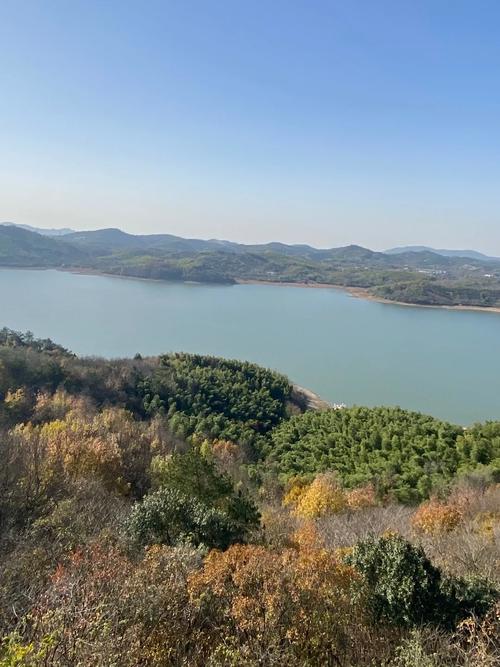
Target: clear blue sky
(330, 123)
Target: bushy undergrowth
(128, 538)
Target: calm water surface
(443, 362)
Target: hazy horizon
(328, 124)
(273, 240)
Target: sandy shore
(364, 293)
(308, 400)
(279, 283)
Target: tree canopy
(404, 453)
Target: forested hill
(21, 247)
(420, 277)
(403, 453)
(185, 510)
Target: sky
(320, 122)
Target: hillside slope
(21, 247)
(422, 277)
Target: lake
(445, 363)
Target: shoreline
(280, 283)
(103, 274)
(310, 400)
(356, 292)
(365, 294)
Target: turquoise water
(446, 363)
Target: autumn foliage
(324, 496)
(146, 521)
(435, 516)
(294, 602)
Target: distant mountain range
(471, 254)
(413, 274)
(112, 240)
(118, 239)
(40, 230)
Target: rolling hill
(469, 254)
(20, 247)
(40, 230)
(420, 276)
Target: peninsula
(415, 276)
